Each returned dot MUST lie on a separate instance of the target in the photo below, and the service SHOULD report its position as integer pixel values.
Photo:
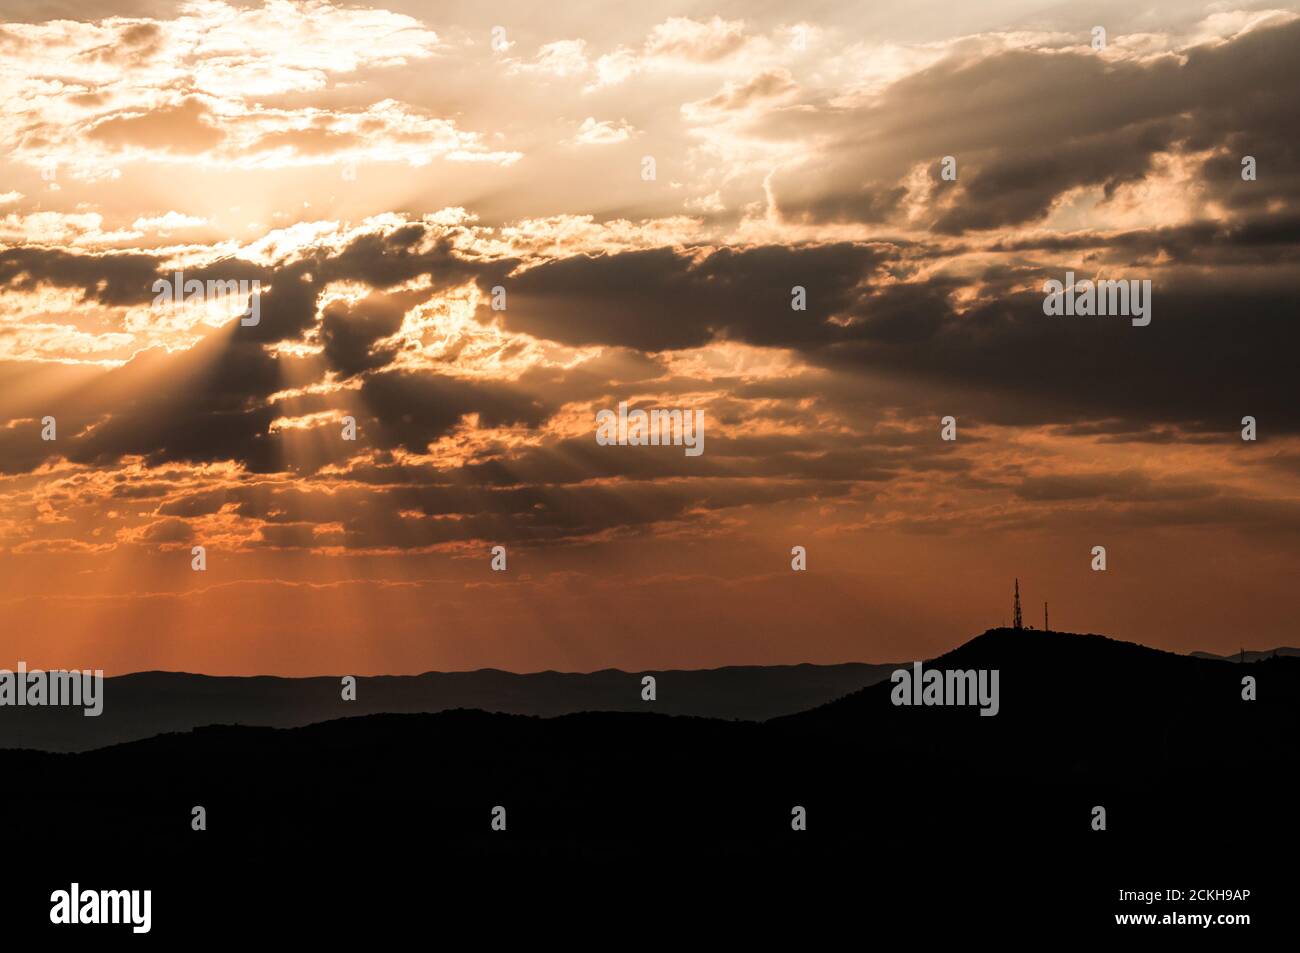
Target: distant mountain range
(146, 704)
(1250, 655)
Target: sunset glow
(381, 168)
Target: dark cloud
(167, 531)
(1214, 350)
(387, 258)
(348, 332)
(199, 405)
(410, 517)
(1025, 126)
(1129, 485)
(1013, 186)
(411, 410)
(665, 299)
(1218, 346)
(110, 278)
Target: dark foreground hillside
(911, 811)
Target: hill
(146, 704)
(903, 804)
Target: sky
(644, 188)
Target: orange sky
(379, 169)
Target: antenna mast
(1016, 621)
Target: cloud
(167, 222)
(679, 43)
(771, 84)
(186, 128)
(194, 88)
(603, 133)
(561, 58)
(1018, 153)
(698, 41)
(808, 165)
(689, 299)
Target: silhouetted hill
(904, 804)
(151, 703)
(1073, 709)
(1083, 707)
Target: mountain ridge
(1083, 720)
(143, 704)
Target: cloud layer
(460, 255)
